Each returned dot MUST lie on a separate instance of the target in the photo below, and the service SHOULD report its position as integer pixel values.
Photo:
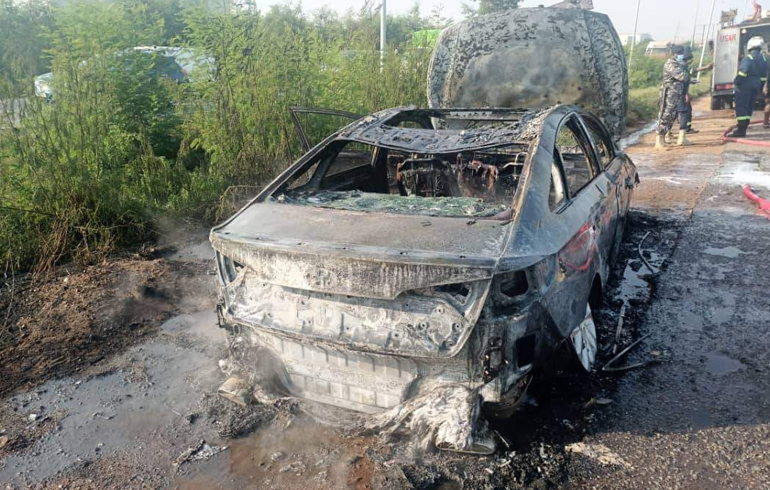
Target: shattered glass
(450, 207)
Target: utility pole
(676, 33)
(633, 39)
(695, 24)
(383, 35)
(703, 44)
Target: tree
(488, 7)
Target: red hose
(764, 204)
(743, 141)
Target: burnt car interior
(481, 183)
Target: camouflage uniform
(676, 76)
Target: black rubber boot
(740, 131)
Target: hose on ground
(743, 141)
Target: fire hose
(764, 204)
(743, 141)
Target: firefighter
(752, 75)
(675, 78)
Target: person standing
(752, 75)
(675, 78)
(685, 105)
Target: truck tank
(532, 58)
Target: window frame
(566, 200)
(589, 152)
(588, 120)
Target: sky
(663, 19)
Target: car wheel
(584, 341)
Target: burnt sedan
(419, 251)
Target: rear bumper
(362, 382)
(369, 382)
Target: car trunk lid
(359, 254)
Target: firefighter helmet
(756, 42)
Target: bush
(118, 145)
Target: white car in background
(183, 62)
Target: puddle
(671, 180)
(634, 137)
(746, 173)
(729, 252)
(721, 364)
(634, 286)
(701, 419)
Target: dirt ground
(108, 374)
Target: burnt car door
(313, 125)
(620, 172)
(590, 201)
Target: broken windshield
(358, 177)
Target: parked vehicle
(658, 49)
(729, 50)
(396, 257)
(170, 62)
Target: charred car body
(425, 257)
(394, 258)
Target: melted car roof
(492, 127)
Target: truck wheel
(612, 71)
(717, 103)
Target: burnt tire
(611, 71)
(508, 59)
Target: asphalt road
(701, 419)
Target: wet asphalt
(700, 418)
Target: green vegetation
(119, 144)
(482, 7)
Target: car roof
(462, 129)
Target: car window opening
(571, 149)
(358, 177)
(602, 143)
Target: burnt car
(419, 249)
